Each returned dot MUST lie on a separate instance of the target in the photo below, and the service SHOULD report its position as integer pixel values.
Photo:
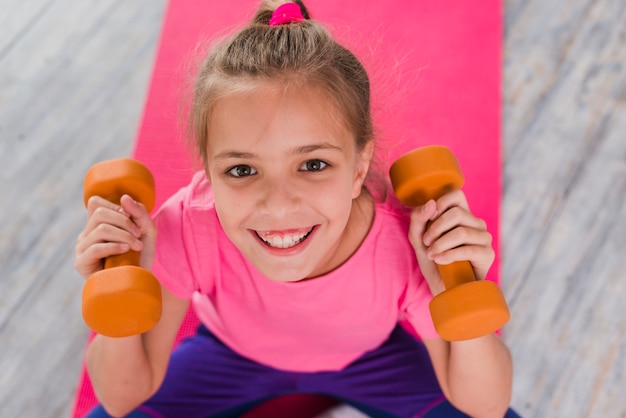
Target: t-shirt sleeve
(171, 264)
(415, 307)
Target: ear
(364, 158)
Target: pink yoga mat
(435, 69)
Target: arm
(126, 371)
(475, 375)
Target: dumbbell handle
(130, 258)
(456, 273)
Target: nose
(279, 197)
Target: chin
(283, 278)
(282, 274)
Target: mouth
(284, 239)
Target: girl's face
(285, 176)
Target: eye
(241, 171)
(314, 165)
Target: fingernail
(137, 245)
(136, 232)
(130, 198)
(429, 254)
(426, 240)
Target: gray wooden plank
(563, 209)
(548, 153)
(70, 116)
(17, 17)
(568, 331)
(71, 93)
(538, 39)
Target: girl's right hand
(114, 229)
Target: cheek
(230, 206)
(333, 199)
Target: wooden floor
(75, 70)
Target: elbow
(485, 403)
(484, 411)
(481, 388)
(496, 410)
(119, 389)
(123, 402)
(494, 407)
(114, 411)
(120, 397)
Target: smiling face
(287, 180)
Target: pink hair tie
(286, 13)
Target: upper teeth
(284, 241)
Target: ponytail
(267, 7)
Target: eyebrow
(306, 149)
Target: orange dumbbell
(122, 299)
(468, 308)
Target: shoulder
(197, 194)
(388, 239)
(187, 227)
(392, 215)
(188, 215)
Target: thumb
(138, 213)
(140, 216)
(420, 218)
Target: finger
(100, 251)
(138, 213)
(420, 217)
(97, 206)
(91, 260)
(480, 257)
(96, 202)
(452, 218)
(458, 237)
(107, 233)
(452, 199)
(115, 217)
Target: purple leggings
(206, 378)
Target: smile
(283, 239)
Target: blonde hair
(301, 53)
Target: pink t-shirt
(314, 325)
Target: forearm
(120, 372)
(480, 374)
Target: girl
(298, 271)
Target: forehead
(272, 111)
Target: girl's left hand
(445, 231)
